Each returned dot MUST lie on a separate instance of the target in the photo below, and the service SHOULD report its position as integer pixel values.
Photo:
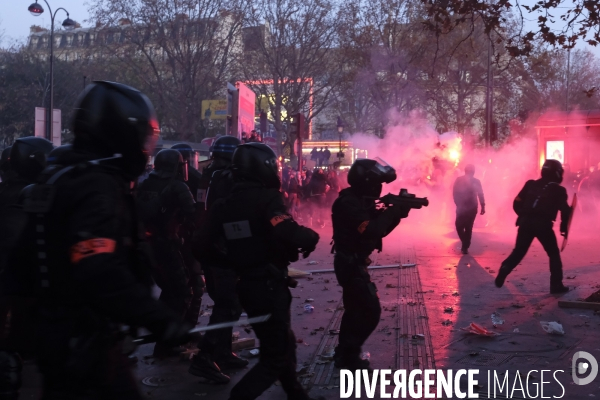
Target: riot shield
(573, 207)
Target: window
(555, 150)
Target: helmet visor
(184, 170)
(151, 138)
(384, 170)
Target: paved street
(446, 291)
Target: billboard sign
(40, 125)
(246, 108)
(214, 109)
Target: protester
(537, 206)
(466, 190)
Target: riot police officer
(537, 206)
(84, 251)
(57, 152)
(215, 346)
(252, 232)
(166, 203)
(195, 281)
(358, 229)
(27, 159)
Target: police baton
(152, 338)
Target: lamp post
(340, 128)
(36, 10)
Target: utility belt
(353, 258)
(535, 220)
(268, 272)
(351, 267)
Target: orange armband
(363, 226)
(91, 247)
(276, 220)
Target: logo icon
(579, 367)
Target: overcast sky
(15, 20)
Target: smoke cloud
(427, 164)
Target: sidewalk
(446, 279)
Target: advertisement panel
(40, 125)
(214, 109)
(246, 108)
(555, 150)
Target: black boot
(502, 274)
(163, 351)
(345, 359)
(558, 288)
(229, 361)
(202, 366)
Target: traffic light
(299, 126)
(263, 122)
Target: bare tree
(565, 81)
(384, 47)
(578, 20)
(181, 50)
(292, 58)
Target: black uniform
(358, 229)
(91, 273)
(537, 206)
(220, 282)
(176, 207)
(21, 165)
(466, 191)
(260, 239)
(12, 222)
(195, 281)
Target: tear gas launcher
(404, 199)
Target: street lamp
(340, 128)
(36, 10)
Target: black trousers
(362, 308)
(195, 282)
(221, 287)
(277, 341)
(171, 276)
(542, 230)
(464, 226)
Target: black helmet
(552, 171)
(28, 156)
(169, 163)
(224, 147)
(256, 162)
(57, 152)
(5, 159)
(185, 150)
(367, 176)
(111, 118)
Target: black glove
(178, 333)
(311, 243)
(564, 228)
(306, 252)
(401, 211)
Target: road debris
(478, 330)
(497, 319)
(553, 327)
